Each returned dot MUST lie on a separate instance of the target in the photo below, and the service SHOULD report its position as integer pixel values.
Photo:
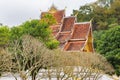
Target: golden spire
(53, 9)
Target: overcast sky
(14, 12)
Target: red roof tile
(55, 29)
(68, 24)
(62, 37)
(80, 31)
(59, 15)
(74, 46)
(72, 36)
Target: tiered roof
(65, 30)
(72, 36)
(59, 15)
(74, 46)
(55, 29)
(67, 24)
(79, 37)
(81, 30)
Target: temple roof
(55, 29)
(68, 24)
(79, 37)
(58, 15)
(66, 29)
(72, 36)
(62, 37)
(74, 46)
(80, 30)
(53, 9)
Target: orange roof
(68, 24)
(74, 46)
(71, 35)
(55, 29)
(62, 37)
(78, 37)
(58, 15)
(80, 30)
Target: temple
(72, 35)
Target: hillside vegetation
(105, 17)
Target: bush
(109, 46)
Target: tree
(102, 13)
(38, 29)
(109, 46)
(77, 65)
(49, 19)
(4, 36)
(115, 7)
(16, 33)
(29, 57)
(97, 38)
(105, 3)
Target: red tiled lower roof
(55, 29)
(80, 31)
(54, 33)
(62, 37)
(68, 24)
(74, 46)
(59, 15)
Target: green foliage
(38, 29)
(105, 16)
(52, 44)
(109, 45)
(97, 38)
(105, 3)
(115, 8)
(16, 33)
(4, 35)
(49, 19)
(103, 13)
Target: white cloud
(14, 12)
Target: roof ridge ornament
(53, 8)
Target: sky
(15, 12)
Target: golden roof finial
(53, 8)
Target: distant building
(73, 36)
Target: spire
(53, 8)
